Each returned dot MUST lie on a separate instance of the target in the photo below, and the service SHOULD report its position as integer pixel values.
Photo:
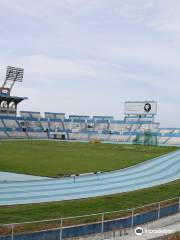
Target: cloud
(162, 16)
(84, 56)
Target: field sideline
(57, 159)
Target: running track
(150, 173)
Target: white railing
(75, 221)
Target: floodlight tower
(8, 104)
(13, 74)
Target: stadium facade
(138, 126)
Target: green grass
(47, 158)
(56, 159)
(33, 212)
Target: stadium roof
(4, 97)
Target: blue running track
(147, 174)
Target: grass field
(33, 212)
(56, 159)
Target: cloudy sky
(89, 56)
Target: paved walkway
(13, 177)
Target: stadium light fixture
(13, 74)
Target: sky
(90, 56)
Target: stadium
(84, 177)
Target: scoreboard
(140, 108)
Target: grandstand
(97, 182)
(138, 126)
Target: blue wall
(97, 227)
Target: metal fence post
(132, 223)
(159, 209)
(61, 229)
(12, 232)
(102, 223)
(179, 205)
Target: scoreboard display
(140, 108)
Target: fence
(70, 227)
